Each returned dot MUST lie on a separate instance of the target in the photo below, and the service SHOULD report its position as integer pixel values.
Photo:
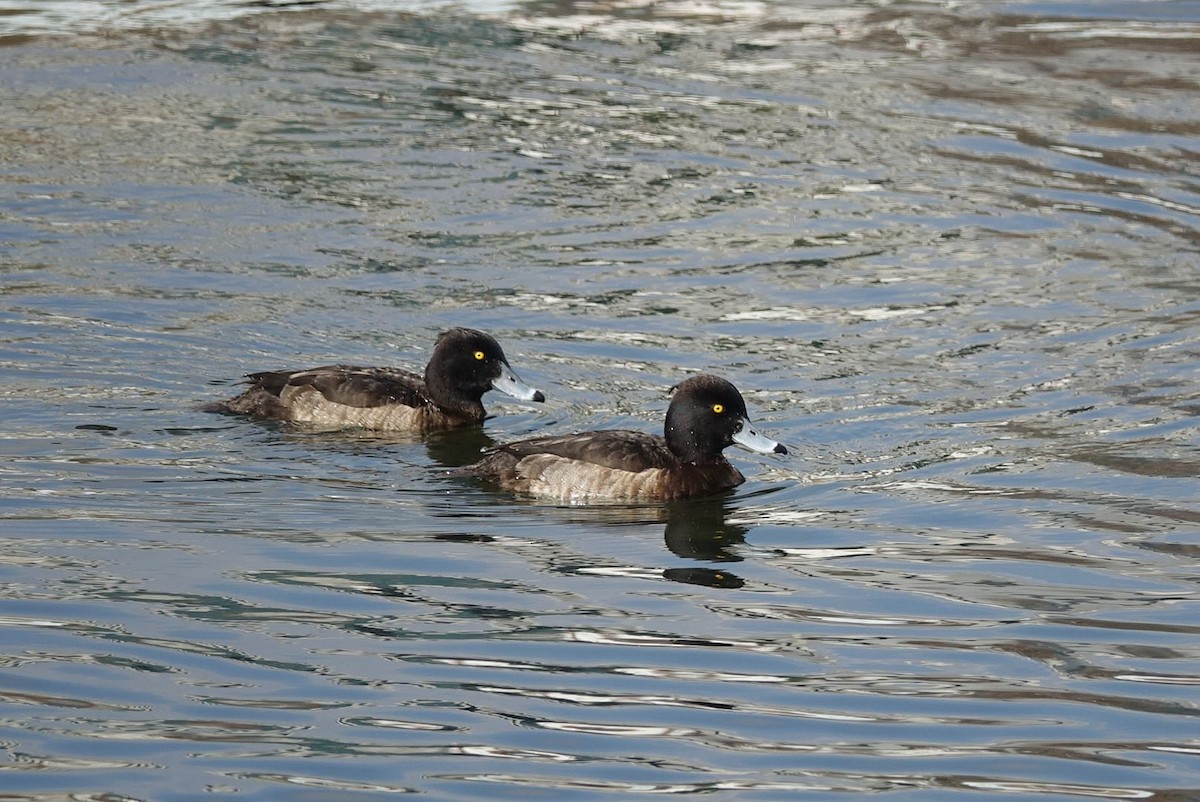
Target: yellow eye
(718, 408)
(480, 355)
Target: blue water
(948, 253)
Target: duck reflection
(454, 448)
(448, 448)
(701, 530)
(695, 529)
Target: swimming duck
(706, 415)
(464, 365)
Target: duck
(464, 365)
(706, 415)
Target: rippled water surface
(947, 251)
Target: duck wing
(621, 449)
(350, 385)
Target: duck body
(349, 396)
(706, 415)
(617, 464)
(464, 365)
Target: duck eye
(480, 355)
(718, 408)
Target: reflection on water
(948, 251)
(701, 531)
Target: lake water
(949, 253)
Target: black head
(467, 363)
(707, 414)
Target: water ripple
(947, 252)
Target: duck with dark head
(706, 415)
(464, 365)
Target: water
(948, 252)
